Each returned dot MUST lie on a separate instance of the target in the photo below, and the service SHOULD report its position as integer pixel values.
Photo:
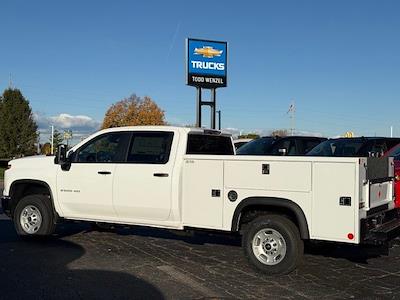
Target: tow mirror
(282, 151)
(61, 157)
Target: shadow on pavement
(354, 253)
(191, 237)
(39, 269)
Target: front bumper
(6, 205)
(382, 228)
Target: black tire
(42, 204)
(289, 233)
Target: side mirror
(61, 157)
(282, 151)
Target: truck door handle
(104, 172)
(160, 175)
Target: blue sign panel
(206, 63)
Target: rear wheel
(273, 245)
(33, 216)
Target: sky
(339, 61)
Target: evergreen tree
(17, 126)
(57, 138)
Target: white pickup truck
(182, 178)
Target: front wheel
(273, 245)
(33, 216)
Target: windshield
(395, 152)
(257, 147)
(338, 147)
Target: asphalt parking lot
(142, 263)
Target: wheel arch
(23, 187)
(273, 204)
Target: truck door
(143, 185)
(85, 190)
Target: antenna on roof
(292, 116)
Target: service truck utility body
(339, 199)
(333, 194)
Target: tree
(58, 138)
(46, 149)
(279, 132)
(249, 136)
(134, 111)
(17, 126)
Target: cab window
(209, 144)
(107, 148)
(150, 147)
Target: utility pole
(292, 116)
(52, 139)
(219, 119)
(38, 144)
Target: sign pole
(213, 107)
(219, 119)
(198, 109)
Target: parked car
(240, 142)
(354, 147)
(275, 145)
(395, 153)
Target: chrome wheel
(30, 219)
(269, 246)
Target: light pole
(52, 139)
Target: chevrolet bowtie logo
(207, 51)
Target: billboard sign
(206, 63)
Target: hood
(32, 161)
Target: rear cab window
(209, 144)
(150, 147)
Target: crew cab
(275, 145)
(183, 178)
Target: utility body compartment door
(335, 201)
(203, 193)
